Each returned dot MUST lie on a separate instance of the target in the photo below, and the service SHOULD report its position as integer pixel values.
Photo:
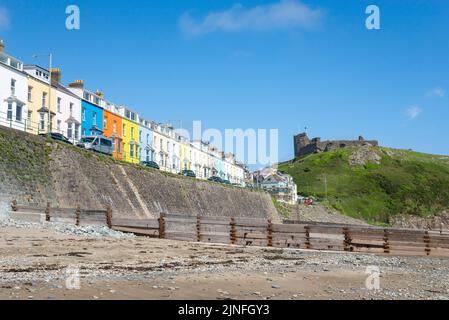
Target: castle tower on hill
(305, 146)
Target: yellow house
(185, 154)
(39, 100)
(131, 145)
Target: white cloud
(437, 92)
(413, 112)
(4, 19)
(282, 15)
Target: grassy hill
(374, 183)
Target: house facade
(68, 110)
(184, 153)
(146, 141)
(13, 92)
(91, 109)
(279, 185)
(113, 128)
(130, 129)
(41, 100)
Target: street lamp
(50, 61)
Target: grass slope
(404, 182)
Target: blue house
(91, 119)
(147, 152)
(92, 116)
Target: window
(30, 93)
(148, 156)
(13, 87)
(106, 142)
(131, 151)
(119, 148)
(30, 113)
(42, 121)
(84, 131)
(148, 138)
(19, 109)
(124, 130)
(44, 99)
(84, 114)
(69, 130)
(71, 109)
(58, 126)
(162, 145)
(59, 105)
(105, 123)
(97, 100)
(140, 136)
(94, 118)
(9, 112)
(77, 129)
(114, 126)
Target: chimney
(77, 84)
(2, 46)
(56, 75)
(99, 93)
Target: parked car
(215, 179)
(99, 144)
(57, 136)
(151, 164)
(227, 182)
(188, 173)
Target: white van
(99, 144)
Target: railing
(32, 127)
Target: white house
(13, 92)
(279, 185)
(68, 109)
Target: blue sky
(256, 64)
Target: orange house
(113, 129)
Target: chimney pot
(56, 75)
(77, 84)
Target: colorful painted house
(146, 142)
(130, 129)
(91, 109)
(41, 101)
(184, 153)
(113, 128)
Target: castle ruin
(305, 146)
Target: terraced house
(113, 128)
(147, 152)
(13, 92)
(68, 109)
(91, 109)
(41, 100)
(130, 129)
